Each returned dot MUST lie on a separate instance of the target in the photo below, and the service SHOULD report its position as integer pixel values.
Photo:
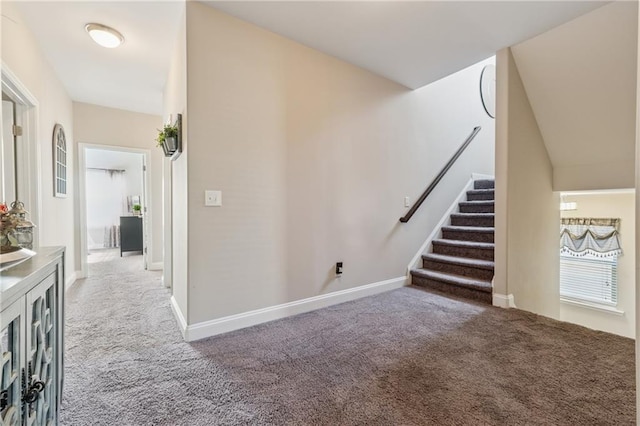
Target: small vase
(171, 144)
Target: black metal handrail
(439, 177)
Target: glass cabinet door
(12, 337)
(41, 357)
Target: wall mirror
(8, 158)
(19, 167)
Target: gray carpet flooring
(407, 357)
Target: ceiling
(130, 77)
(413, 43)
(580, 79)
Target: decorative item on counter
(17, 228)
(7, 228)
(137, 209)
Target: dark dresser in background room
(130, 234)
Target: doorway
(19, 164)
(114, 205)
(598, 260)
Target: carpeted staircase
(461, 262)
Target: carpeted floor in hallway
(407, 357)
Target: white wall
(175, 193)
(527, 210)
(609, 205)
(314, 157)
(113, 127)
(21, 54)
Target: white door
(145, 215)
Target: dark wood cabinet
(130, 234)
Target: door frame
(29, 179)
(147, 226)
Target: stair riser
(470, 208)
(473, 221)
(451, 289)
(480, 237)
(468, 252)
(484, 184)
(464, 270)
(482, 196)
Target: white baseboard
(462, 196)
(177, 312)
(71, 279)
(155, 266)
(503, 300)
(480, 176)
(235, 322)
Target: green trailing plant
(168, 131)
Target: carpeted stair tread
(456, 280)
(480, 194)
(466, 244)
(464, 261)
(464, 248)
(484, 184)
(479, 206)
(478, 203)
(470, 229)
(473, 219)
(480, 215)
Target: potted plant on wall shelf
(170, 138)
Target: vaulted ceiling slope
(412, 43)
(580, 79)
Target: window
(59, 162)
(589, 279)
(589, 250)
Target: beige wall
(615, 205)
(529, 262)
(314, 157)
(114, 127)
(23, 58)
(587, 118)
(637, 184)
(175, 178)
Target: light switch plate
(213, 198)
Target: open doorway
(597, 260)
(115, 204)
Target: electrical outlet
(213, 198)
(407, 202)
(338, 268)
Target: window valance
(594, 236)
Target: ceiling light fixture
(104, 36)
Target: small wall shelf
(172, 148)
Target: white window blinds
(589, 250)
(589, 278)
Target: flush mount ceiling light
(104, 36)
